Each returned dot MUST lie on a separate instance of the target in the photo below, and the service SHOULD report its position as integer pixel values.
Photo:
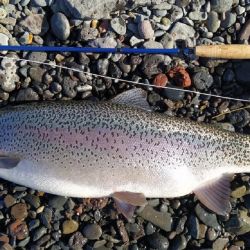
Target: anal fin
(215, 194)
(8, 162)
(126, 202)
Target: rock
(93, 9)
(197, 15)
(105, 42)
(239, 118)
(193, 226)
(239, 192)
(226, 126)
(60, 26)
(207, 218)
(221, 6)
(3, 13)
(57, 202)
(242, 72)
(92, 231)
(238, 224)
(245, 31)
(181, 31)
(27, 94)
(179, 243)
(19, 211)
(150, 64)
(173, 93)
(118, 24)
(69, 87)
(33, 200)
(34, 224)
(160, 80)
(145, 29)
(157, 241)
(162, 220)
(220, 243)
(213, 22)
(202, 79)
(41, 231)
(167, 41)
(134, 41)
(180, 76)
(152, 45)
(4, 40)
(37, 57)
(41, 3)
(176, 13)
(77, 241)
(211, 234)
(19, 230)
(37, 73)
(46, 217)
(9, 200)
(230, 19)
(69, 226)
(88, 33)
(37, 24)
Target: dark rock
(179, 243)
(41, 231)
(173, 94)
(27, 94)
(33, 200)
(92, 231)
(114, 70)
(157, 241)
(240, 118)
(46, 217)
(57, 202)
(77, 241)
(202, 79)
(242, 72)
(69, 87)
(60, 26)
(207, 218)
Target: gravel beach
(31, 219)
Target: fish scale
(95, 149)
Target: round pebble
(60, 26)
(70, 226)
(92, 231)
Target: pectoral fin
(8, 162)
(215, 194)
(126, 202)
(133, 97)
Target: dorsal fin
(134, 97)
(215, 194)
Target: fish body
(95, 149)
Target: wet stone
(46, 217)
(41, 231)
(162, 220)
(9, 200)
(34, 224)
(157, 241)
(239, 192)
(70, 226)
(60, 26)
(173, 94)
(193, 226)
(19, 211)
(19, 229)
(92, 231)
(179, 243)
(240, 118)
(220, 243)
(207, 218)
(33, 200)
(211, 234)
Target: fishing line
(51, 64)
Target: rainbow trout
(99, 149)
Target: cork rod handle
(233, 51)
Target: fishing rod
(232, 51)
